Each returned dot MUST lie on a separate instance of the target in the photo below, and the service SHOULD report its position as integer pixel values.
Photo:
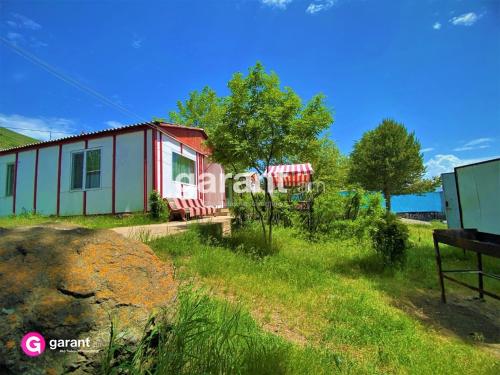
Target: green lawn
(92, 221)
(341, 311)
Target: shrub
(342, 214)
(159, 208)
(390, 239)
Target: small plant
(390, 239)
(249, 241)
(159, 209)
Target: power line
(69, 80)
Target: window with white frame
(183, 169)
(86, 169)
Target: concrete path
(142, 232)
(413, 221)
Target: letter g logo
(33, 344)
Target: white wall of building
(25, 181)
(46, 192)
(5, 202)
(130, 172)
(99, 201)
(71, 201)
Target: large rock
(69, 283)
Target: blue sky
(433, 65)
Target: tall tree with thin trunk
(388, 159)
(263, 125)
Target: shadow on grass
(468, 318)
(414, 289)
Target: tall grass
(203, 336)
(337, 296)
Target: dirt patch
(67, 282)
(474, 321)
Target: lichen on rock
(69, 283)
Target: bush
(342, 215)
(159, 208)
(390, 239)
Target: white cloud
(466, 19)
(41, 128)
(21, 21)
(446, 163)
(113, 124)
(15, 37)
(136, 42)
(281, 4)
(475, 144)
(320, 5)
(436, 26)
(428, 149)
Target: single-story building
(108, 172)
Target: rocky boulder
(69, 283)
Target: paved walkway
(151, 231)
(413, 221)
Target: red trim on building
(161, 164)
(145, 170)
(203, 186)
(84, 210)
(35, 183)
(153, 158)
(197, 176)
(58, 204)
(113, 181)
(14, 193)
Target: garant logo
(33, 344)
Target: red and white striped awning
(290, 174)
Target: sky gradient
(433, 65)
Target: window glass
(183, 169)
(9, 186)
(77, 171)
(93, 169)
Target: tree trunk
(387, 197)
(270, 210)
(261, 217)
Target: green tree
(388, 159)
(330, 166)
(202, 109)
(264, 125)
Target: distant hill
(9, 138)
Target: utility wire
(69, 80)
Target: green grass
(92, 221)
(336, 296)
(209, 336)
(9, 138)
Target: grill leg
(440, 271)
(480, 274)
